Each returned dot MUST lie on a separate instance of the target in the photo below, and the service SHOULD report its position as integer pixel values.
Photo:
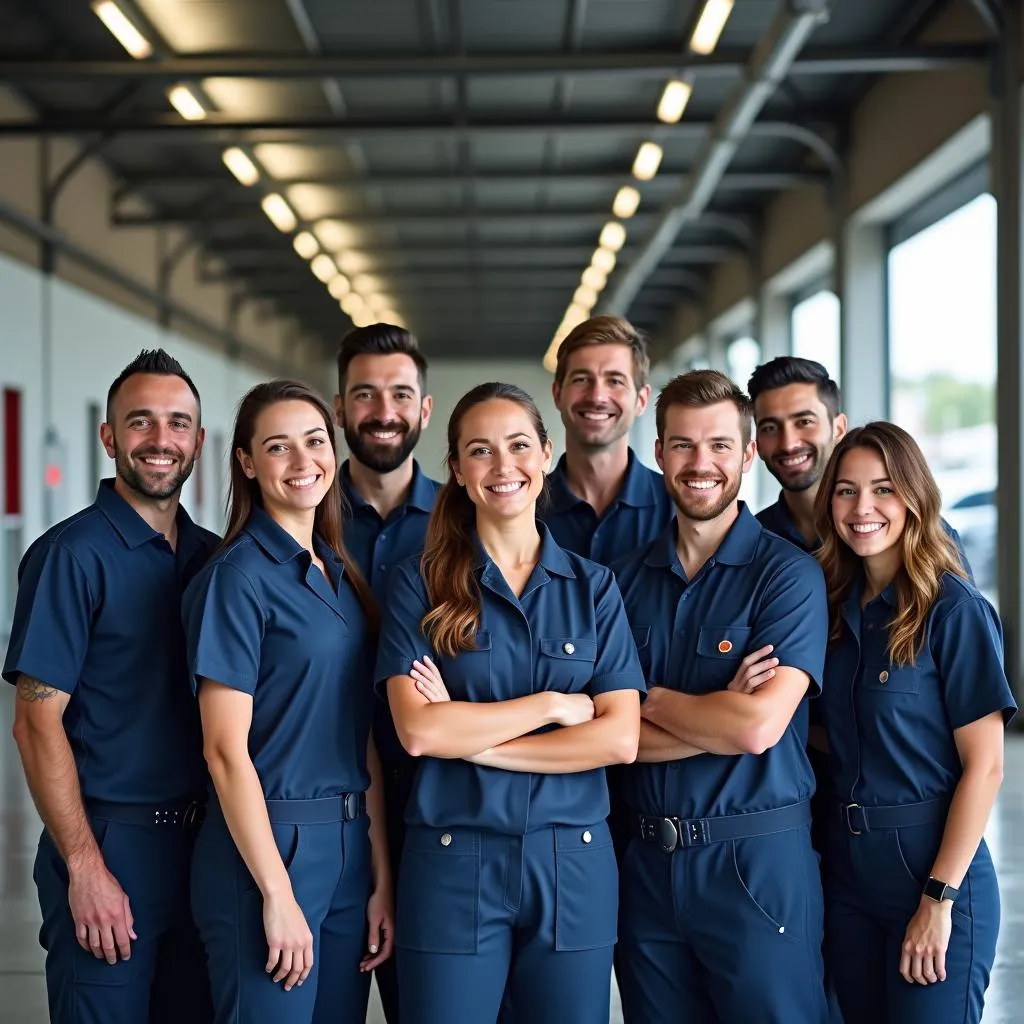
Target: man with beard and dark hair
(105, 722)
(721, 903)
(382, 408)
(603, 501)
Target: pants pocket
(439, 891)
(586, 888)
(916, 849)
(772, 872)
(287, 839)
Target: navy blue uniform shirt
(263, 619)
(98, 617)
(756, 589)
(638, 514)
(567, 633)
(378, 545)
(890, 728)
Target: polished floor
(23, 998)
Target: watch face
(939, 891)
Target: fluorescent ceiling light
(185, 102)
(339, 286)
(353, 262)
(604, 260)
(626, 201)
(377, 302)
(335, 235)
(279, 212)
(647, 162)
(366, 283)
(551, 356)
(575, 315)
(595, 278)
(238, 163)
(613, 236)
(673, 100)
(585, 297)
(363, 317)
(323, 267)
(306, 245)
(709, 28)
(122, 29)
(352, 303)
(389, 316)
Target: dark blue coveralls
(378, 545)
(721, 914)
(98, 617)
(895, 766)
(510, 877)
(263, 619)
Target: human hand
(380, 915)
(104, 925)
(573, 709)
(429, 683)
(923, 957)
(755, 670)
(289, 941)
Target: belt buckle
(192, 815)
(694, 832)
(849, 821)
(668, 834)
(350, 806)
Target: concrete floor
(23, 997)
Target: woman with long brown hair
(512, 674)
(915, 702)
(288, 875)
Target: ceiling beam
(833, 60)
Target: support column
(1006, 176)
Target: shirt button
(587, 837)
(782, 930)
(569, 648)
(446, 839)
(883, 676)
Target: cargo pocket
(586, 888)
(439, 891)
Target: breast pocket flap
(569, 648)
(724, 642)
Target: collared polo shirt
(98, 616)
(567, 632)
(890, 727)
(692, 634)
(261, 618)
(640, 511)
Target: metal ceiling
(464, 153)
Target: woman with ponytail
(291, 882)
(511, 673)
(915, 703)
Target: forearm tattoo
(34, 690)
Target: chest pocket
(884, 678)
(467, 676)
(720, 649)
(566, 664)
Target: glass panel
(814, 324)
(942, 365)
(741, 357)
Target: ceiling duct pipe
(768, 66)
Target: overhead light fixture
(604, 260)
(575, 315)
(352, 303)
(335, 235)
(353, 262)
(389, 316)
(306, 245)
(238, 163)
(673, 100)
(594, 277)
(366, 283)
(377, 302)
(363, 317)
(613, 236)
(123, 29)
(279, 212)
(186, 103)
(323, 267)
(709, 28)
(626, 201)
(338, 286)
(647, 162)
(585, 297)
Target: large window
(942, 361)
(742, 355)
(814, 327)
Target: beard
(381, 458)
(804, 480)
(699, 510)
(161, 489)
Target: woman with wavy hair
(915, 703)
(511, 673)
(291, 883)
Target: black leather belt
(187, 815)
(319, 811)
(675, 833)
(859, 819)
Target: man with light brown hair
(604, 502)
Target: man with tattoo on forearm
(105, 722)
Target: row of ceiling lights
(360, 296)
(671, 107)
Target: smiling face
(795, 435)
(703, 457)
(598, 400)
(501, 461)
(868, 514)
(154, 437)
(291, 457)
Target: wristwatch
(939, 891)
